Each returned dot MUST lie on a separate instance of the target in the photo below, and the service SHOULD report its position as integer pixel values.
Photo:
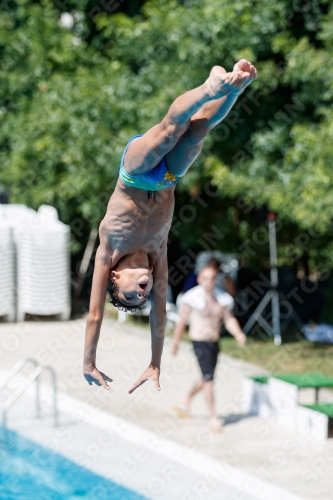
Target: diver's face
(134, 285)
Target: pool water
(30, 472)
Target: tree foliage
(71, 97)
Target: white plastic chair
(7, 272)
(42, 249)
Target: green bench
(277, 397)
(316, 420)
(310, 420)
(255, 396)
(307, 380)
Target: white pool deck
(137, 440)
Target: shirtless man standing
(204, 307)
(131, 260)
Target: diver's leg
(189, 145)
(145, 152)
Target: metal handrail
(14, 371)
(16, 368)
(22, 388)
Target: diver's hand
(152, 373)
(94, 376)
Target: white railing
(33, 376)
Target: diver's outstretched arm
(95, 318)
(156, 319)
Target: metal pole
(276, 318)
(38, 413)
(16, 368)
(4, 422)
(274, 279)
(257, 314)
(317, 394)
(55, 403)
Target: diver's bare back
(135, 220)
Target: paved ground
(125, 453)
(259, 447)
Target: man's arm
(95, 318)
(233, 327)
(157, 318)
(180, 327)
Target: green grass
(292, 356)
(295, 355)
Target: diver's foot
(246, 67)
(215, 425)
(220, 83)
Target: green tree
(274, 148)
(71, 97)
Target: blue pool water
(30, 472)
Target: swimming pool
(30, 472)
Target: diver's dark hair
(113, 290)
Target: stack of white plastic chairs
(7, 271)
(41, 245)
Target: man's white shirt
(196, 298)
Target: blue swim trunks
(157, 178)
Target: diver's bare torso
(133, 222)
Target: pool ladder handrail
(17, 368)
(24, 386)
